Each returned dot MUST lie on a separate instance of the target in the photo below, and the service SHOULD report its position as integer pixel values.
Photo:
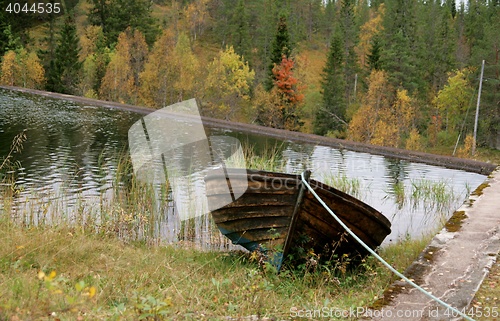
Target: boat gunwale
(296, 181)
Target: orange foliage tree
(284, 113)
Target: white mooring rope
(372, 252)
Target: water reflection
(71, 164)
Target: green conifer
(331, 115)
(64, 71)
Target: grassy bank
(62, 273)
(112, 266)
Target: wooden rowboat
(278, 213)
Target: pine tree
(281, 48)
(3, 37)
(328, 23)
(64, 70)
(331, 115)
(435, 46)
(10, 40)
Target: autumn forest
(400, 73)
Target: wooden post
(477, 109)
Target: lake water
(69, 160)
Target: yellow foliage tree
(9, 69)
(118, 82)
(227, 86)
(364, 121)
(380, 122)
(89, 40)
(157, 78)
(138, 54)
(185, 69)
(95, 56)
(264, 106)
(466, 149)
(404, 111)
(197, 17)
(22, 68)
(414, 140)
(453, 99)
(89, 77)
(386, 132)
(32, 71)
(121, 81)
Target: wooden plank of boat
(278, 213)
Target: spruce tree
(4, 25)
(48, 54)
(64, 70)
(281, 47)
(241, 33)
(349, 38)
(331, 115)
(481, 24)
(400, 46)
(375, 54)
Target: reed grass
(349, 185)
(433, 196)
(269, 159)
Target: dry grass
(97, 277)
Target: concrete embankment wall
(413, 156)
